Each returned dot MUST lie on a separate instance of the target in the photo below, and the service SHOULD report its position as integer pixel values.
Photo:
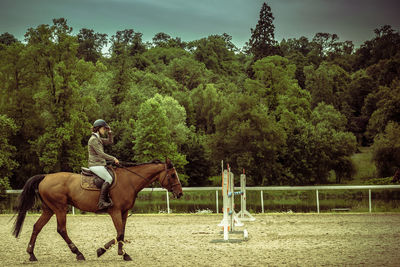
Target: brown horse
(58, 190)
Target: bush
(379, 181)
(386, 150)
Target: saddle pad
(87, 182)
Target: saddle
(90, 181)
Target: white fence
(272, 188)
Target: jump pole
(230, 218)
(243, 210)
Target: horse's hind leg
(42, 221)
(62, 230)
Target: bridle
(168, 176)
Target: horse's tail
(26, 201)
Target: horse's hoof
(100, 252)
(127, 257)
(32, 257)
(80, 257)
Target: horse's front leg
(121, 241)
(106, 247)
(119, 220)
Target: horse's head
(169, 179)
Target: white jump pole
(243, 209)
(230, 218)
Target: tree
(90, 44)
(262, 41)
(274, 76)
(217, 53)
(198, 168)
(62, 118)
(7, 161)
(386, 150)
(384, 46)
(387, 109)
(207, 104)
(328, 83)
(187, 71)
(7, 39)
(246, 136)
(153, 135)
(161, 39)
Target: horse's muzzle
(177, 194)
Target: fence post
(262, 202)
(168, 210)
(369, 197)
(216, 198)
(317, 200)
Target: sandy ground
(187, 240)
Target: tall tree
(7, 39)
(153, 134)
(7, 155)
(262, 41)
(217, 53)
(63, 120)
(90, 44)
(386, 150)
(384, 46)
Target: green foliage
(285, 119)
(198, 167)
(90, 44)
(216, 52)
(387, 108)
(7, 163)
(386, 150)
(380, 181)
(187, 72)
(385, 45)
(247, 136)
(154, 132)
(327, 84)
(262, 42)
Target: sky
(353, 20)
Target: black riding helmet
(100, 123)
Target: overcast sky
(352, 20)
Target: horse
(58, 190)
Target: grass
(365, 167)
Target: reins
(144, 178)
(123, 167)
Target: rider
(97, 159)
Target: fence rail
(272, 188)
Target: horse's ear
(169, 163)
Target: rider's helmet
(100, 123)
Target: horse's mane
(132, 164)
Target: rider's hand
(116, 161)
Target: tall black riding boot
(103, 203)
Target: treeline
(289, 113)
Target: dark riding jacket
(97, 157)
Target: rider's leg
(102, 172)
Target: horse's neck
(144, 175)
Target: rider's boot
(103, 203)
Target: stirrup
(104, 205)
